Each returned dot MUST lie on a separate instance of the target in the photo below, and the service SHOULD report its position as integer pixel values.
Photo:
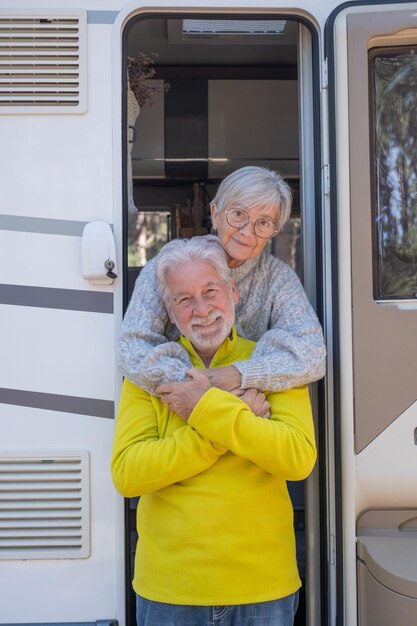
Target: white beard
(203, 336)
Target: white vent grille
(233, 27)
(42, 61)
(44, 505)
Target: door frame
(317, 602)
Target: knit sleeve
(142, 461)
(291, 352)
(283, 445)
(145, 355)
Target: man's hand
(182, 397)
(226, 378)
(255, 400)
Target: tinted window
(393, 75)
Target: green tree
(395, 162)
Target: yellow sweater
(215, 520)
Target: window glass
(393, 75)
(148, 231)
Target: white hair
(255, 186)
(202, 248)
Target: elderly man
(215, 522)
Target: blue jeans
(275, 613)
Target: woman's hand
(255, 400)
(226, 378)
(182, 397)
(229, 379)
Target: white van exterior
(63, 266)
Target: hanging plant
(140, 70)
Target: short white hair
(202, 248)
(255, 186)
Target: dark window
(393, 76)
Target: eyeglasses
(239, 218)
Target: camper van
(92, 184)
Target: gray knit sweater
(273, 310)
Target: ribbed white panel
(42, 62)
(44, 505)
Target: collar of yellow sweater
(232, 349)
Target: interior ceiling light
(233, 28)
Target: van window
(393, 76)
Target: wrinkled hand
(255, 400)
(226, 378)
(182, 397)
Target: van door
(373, 98)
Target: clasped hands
(182, 397)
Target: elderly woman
(251, 206)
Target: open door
(233, 91)
(372, 53)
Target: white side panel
(60, 166)
(40, 260)
(386, 472)
(66, 589)
(57, 351)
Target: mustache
(205, 320)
